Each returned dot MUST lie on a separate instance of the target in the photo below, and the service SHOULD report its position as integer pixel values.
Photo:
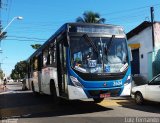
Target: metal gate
(135, 64)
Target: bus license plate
(105, 95)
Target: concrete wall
(145, 40)
(157, 35)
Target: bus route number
(92, 63)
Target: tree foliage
(20, 70)
(1, 74)
(90, 17)
(36, 46)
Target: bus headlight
(128, 80)
(75, 82)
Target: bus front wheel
(98, 100)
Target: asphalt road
(22, 106)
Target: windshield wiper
(109, 44)
(85, 36)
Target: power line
(127, 16)
(22, 40)
(132, 9)
(39, 26)
(48, 24)
(27, 37)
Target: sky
(41, 18)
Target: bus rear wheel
(98, 100)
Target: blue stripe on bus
(98, 84)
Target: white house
(146, 59)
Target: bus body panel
(82, 93)
(35, 81)
(46, 80)
(48, 74)
(76, 93)
(127, 90)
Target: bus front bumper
(85, 93)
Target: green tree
(15, 75)
(90, 17)
(1, 74)
(36, 46)
(3, 35)
(20, 70)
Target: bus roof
(65, 27)
(92, 24)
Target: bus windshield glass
(98, 54)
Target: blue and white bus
(82, 61)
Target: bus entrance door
(40, 72)
(61, 68)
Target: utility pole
(0, 37)
(152, 24)
(0, 26)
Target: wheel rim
(138, 98)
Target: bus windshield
(98, 54)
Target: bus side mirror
(130, 54)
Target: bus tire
(98, 100)
(53, 92)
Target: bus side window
(40, 62)
(48, 59)
(32, 64)
(50, 56)
(30, 68)
(45, 57)
(35, 63)
(52, 53)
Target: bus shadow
(25, 105)
(151, 107)
(72, 108)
